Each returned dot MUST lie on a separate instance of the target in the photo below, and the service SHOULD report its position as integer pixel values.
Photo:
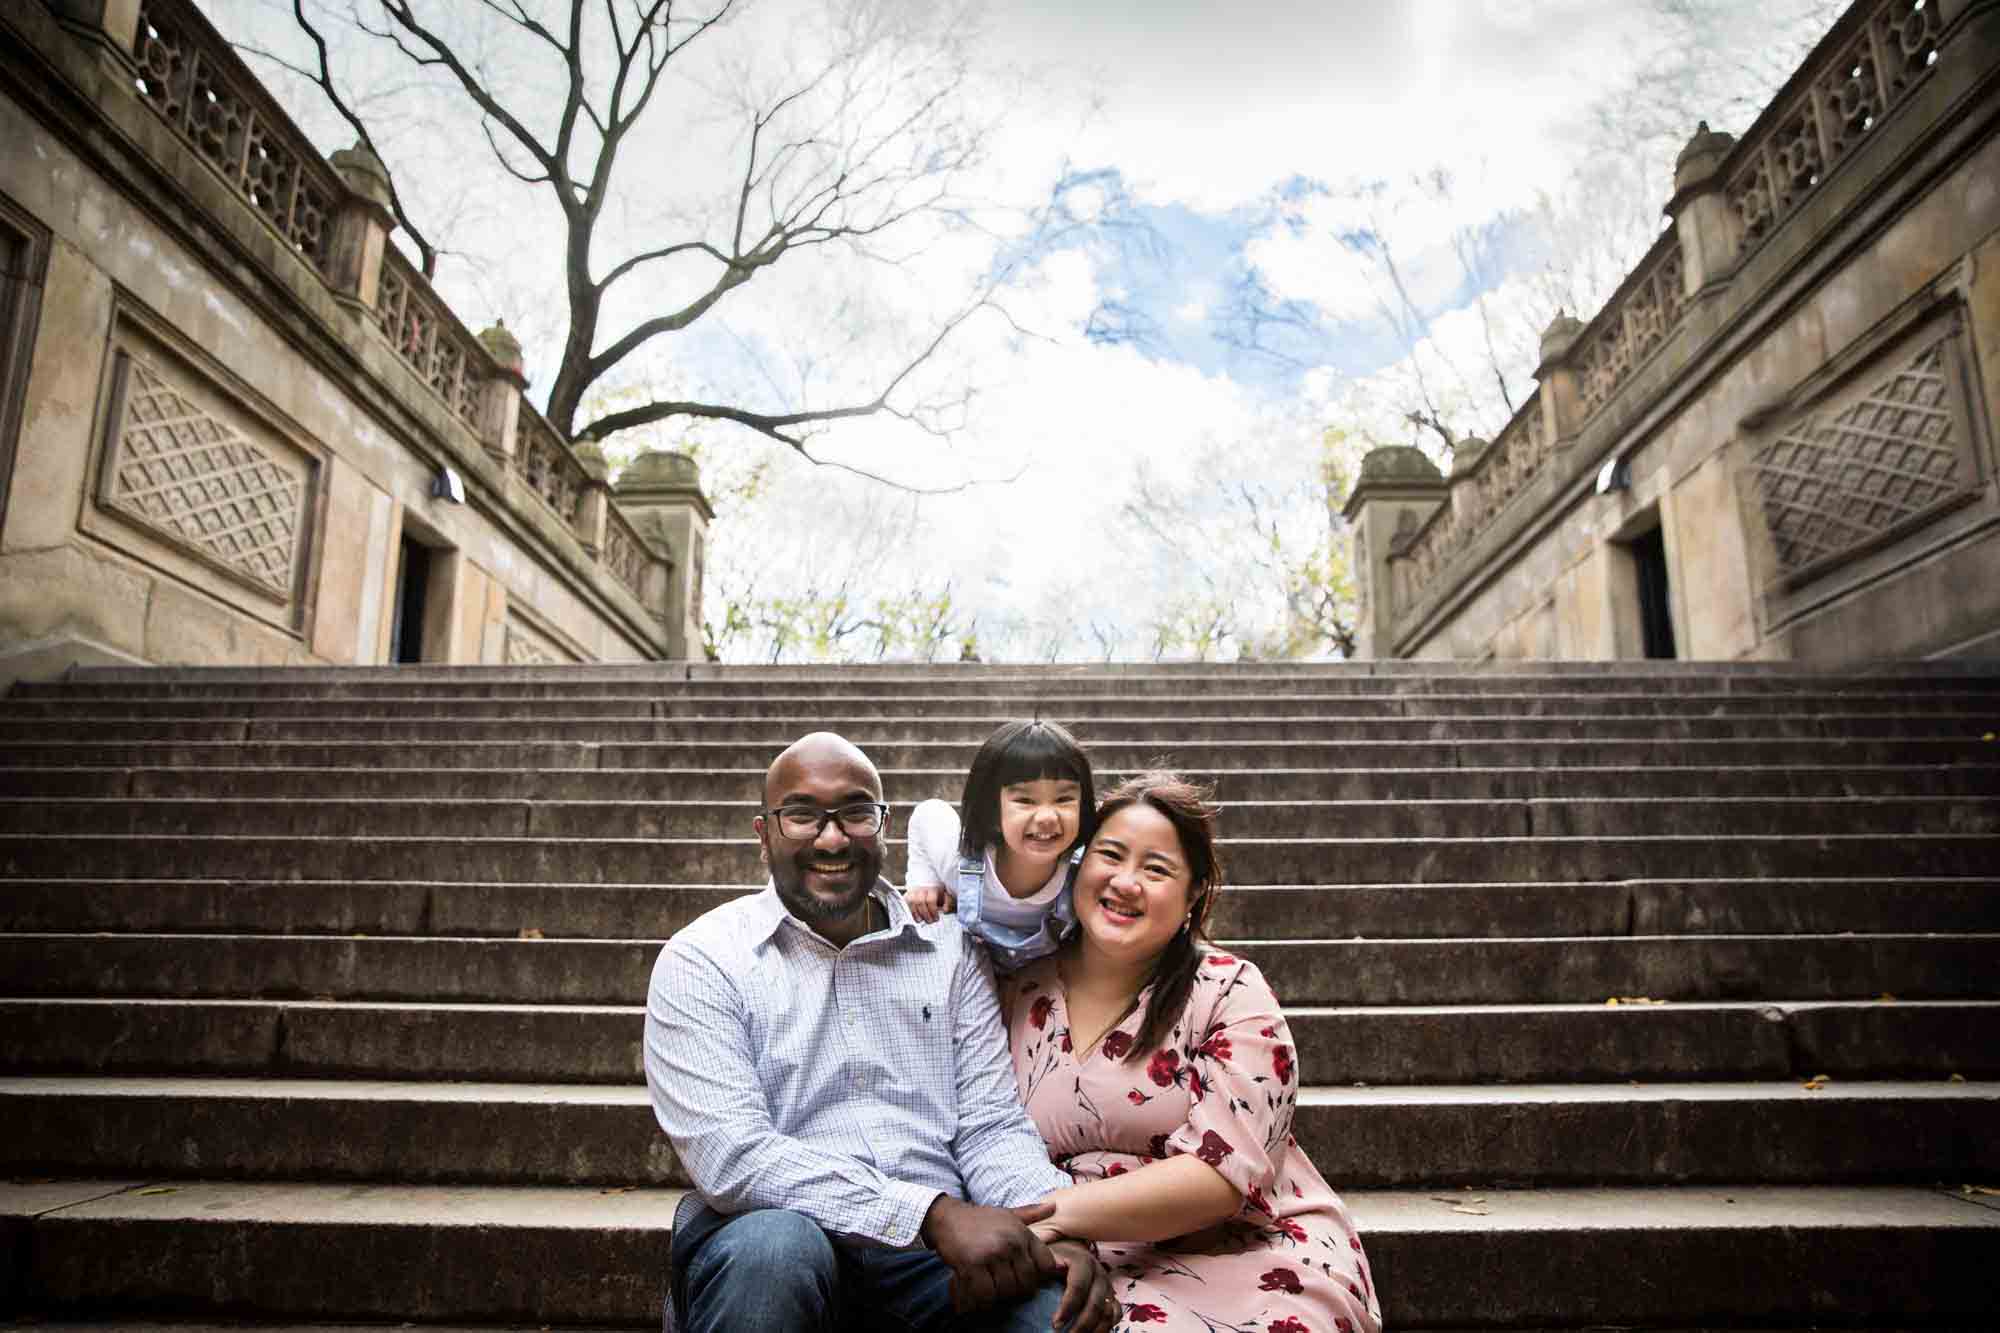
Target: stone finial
(589, 454)
(660, 467)
(363, 173)
(1398, 462)
(1560, 336)
(1465, 455)
(1699, 161)
(504, 348)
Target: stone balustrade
(336, 217)
(1731, 197)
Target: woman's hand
(1087, 1303)
(927, 902)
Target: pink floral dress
(1222, 1088)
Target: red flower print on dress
(1159, 1146)
(1194, 1083)
(1281, 1279)
(1220, 960)
(1115, 1169)
(1281, 1063)
(1117, 1045)
(1067, 1048)
(1257, 1200)
(1161, 1069)
(1270, 1031)
(1147, 1314)
(1213, 1148)
(1292, 1230)
(1038, 1013)
(1287, 1325)
(1137, 1098)
(1343, 1323)
(1355, 1292)
(1216, 1048)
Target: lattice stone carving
(198, 480)
(527, 647)
(1830, 484)
(194, 83)
(1859, 84)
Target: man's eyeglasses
(861, 819)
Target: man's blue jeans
(775, 1270)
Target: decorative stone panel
(1868, 465)
(197, 482)
(527, 645)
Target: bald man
(834, 1076)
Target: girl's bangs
(1040, 752)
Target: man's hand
(929, 901)
(993, 1257)
(1087, 1303)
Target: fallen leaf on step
(1955, 1078)
(1978, 1189)
(1886, 998)
(169, 1189)
(1617, 1000)
(531, 932)
(1471, 1211)
(1987, 737)
(1816, 1082)
(618, 1189)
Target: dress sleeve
(1239, 1063)
(933, 844)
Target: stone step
(1684, 1255)
(1584, 969)
(773, 733)
(1302, 861)
(1197, 757)
(1409, 1045)
(747, 784)
(1364, 1138)
(1578, 817)
(1066, 708)
(1259, 912)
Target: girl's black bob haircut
(1021, 752)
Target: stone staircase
(322, 989)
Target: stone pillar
(500, 396)
(1562, 407)
(1465, 456)
(361, 227)
(1398, 490)
(1709, 231)
(661, 494)
(593, 504)
(113, 25)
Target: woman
(1160, 1073)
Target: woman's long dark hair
(1186, 807)
(1022, 752)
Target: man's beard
(808, 906)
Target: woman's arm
(1157, 1201)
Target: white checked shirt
(851, 1085)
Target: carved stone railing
(336, 216)
(545, 462)
(429, 337)
(625, 552)
(200, 86)
(1848, 92)
(1631, 326)
(1730, 197)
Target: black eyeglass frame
(824, 815)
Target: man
(836, 1080)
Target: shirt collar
(767, 913)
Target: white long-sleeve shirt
(851, 1085)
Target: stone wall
(1796, 391)
(227, 404)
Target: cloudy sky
(1225, 160)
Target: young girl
(1004, 859)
